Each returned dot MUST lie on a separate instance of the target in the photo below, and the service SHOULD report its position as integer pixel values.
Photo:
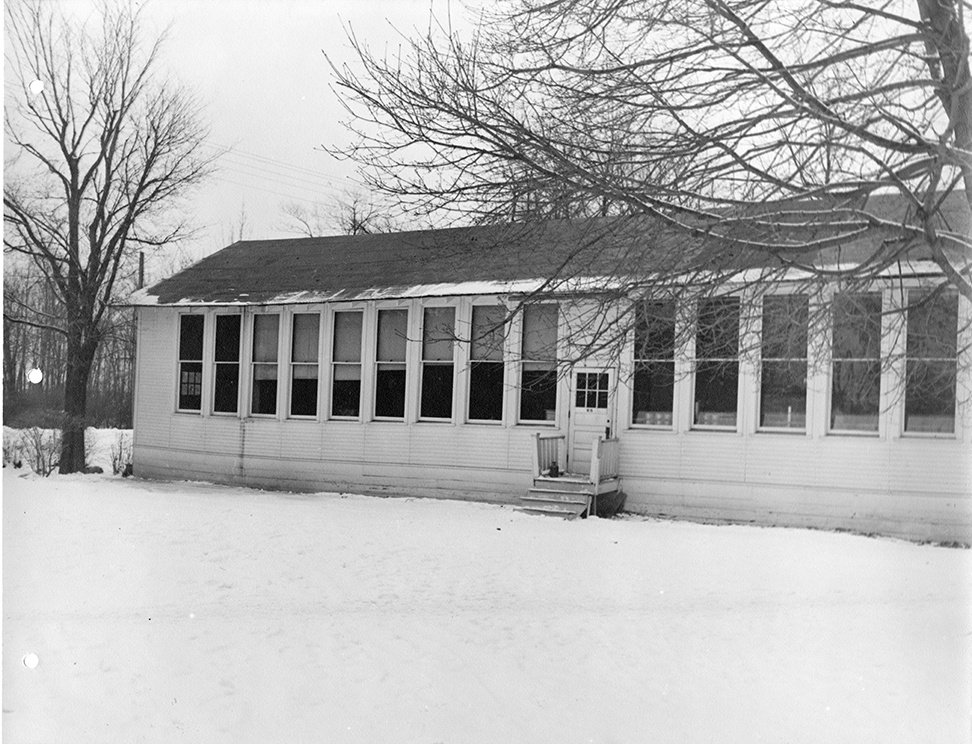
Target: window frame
(834, 360)
(805, 359)
(180, 360)
(253, 364)
(292, 365)
(424, 364)
(553, 366)
(914, 294)
(379, 363)
(720, 360)
(334, 363)
(499, 364)
(238, 363)
(642, 362)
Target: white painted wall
(890, 483)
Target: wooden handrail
(548, 449)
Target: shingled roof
(495, 259)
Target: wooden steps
(571, 496)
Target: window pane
(436, 391)
(438, 333)
(264, 398)
(305, 337)
(785, 321)
(227, 338)
(303, 390)
(227, 387)
(390, 390)
(932, 326)
(857, 326)
(540, 332)
(347, 337)
(856, 397)
(487, 333)
(655, 330)
(191, 337)
(346, 390)
(190, 386)
(265, 329)
(783, 394)
(392, 333)
(930, 396)
(486, 391)
(716, 386)
(653, 393)
(538, 393)
(717, 335)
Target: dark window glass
(783, 373)
(538, 370)
(855, 399)
(717, 362)
(653, 384)
(932, 363)
(264, 393)
(226, 387)
(190, 362)
(438, 337)
(591, 390)
(486, 391)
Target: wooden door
(591, 414)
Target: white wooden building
(383, 364)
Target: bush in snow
(41, 448)
(121, 453)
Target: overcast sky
(258, 67)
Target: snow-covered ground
(200, 613)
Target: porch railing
(605, 459)
(549, 449)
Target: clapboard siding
(892, 484)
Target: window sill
(789, 431)
(652, 427)
(544, 424)
(484, 422)
(434, 421)
(929, 435)
(344, 419)
(189, 411)
(853, 433)
(715, 427)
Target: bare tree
(768, 127)
(353, 213)
(101, 151)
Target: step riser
(555, 498)
(539, 485)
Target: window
(303, 364)
(346, 365)
(486, 363)
(653, 388)
(932, 363)
(783, 368)
(538, 368)
(717, 362)
(390, 368)
(591, 390)
(190, 362)
(856, 367)
(438, 335)
(226, 391)
(264, 394)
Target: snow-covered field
(200, 613)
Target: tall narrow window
(264, 394)
(226, 390)
(538, 368)
(390, 368)
(653, 388)
(855, 399)
(346, 366)
(783, 370)
(303, 364)
(438, 336)
(717, 362)
(190, 362)
(932, 363)
(486, 363)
